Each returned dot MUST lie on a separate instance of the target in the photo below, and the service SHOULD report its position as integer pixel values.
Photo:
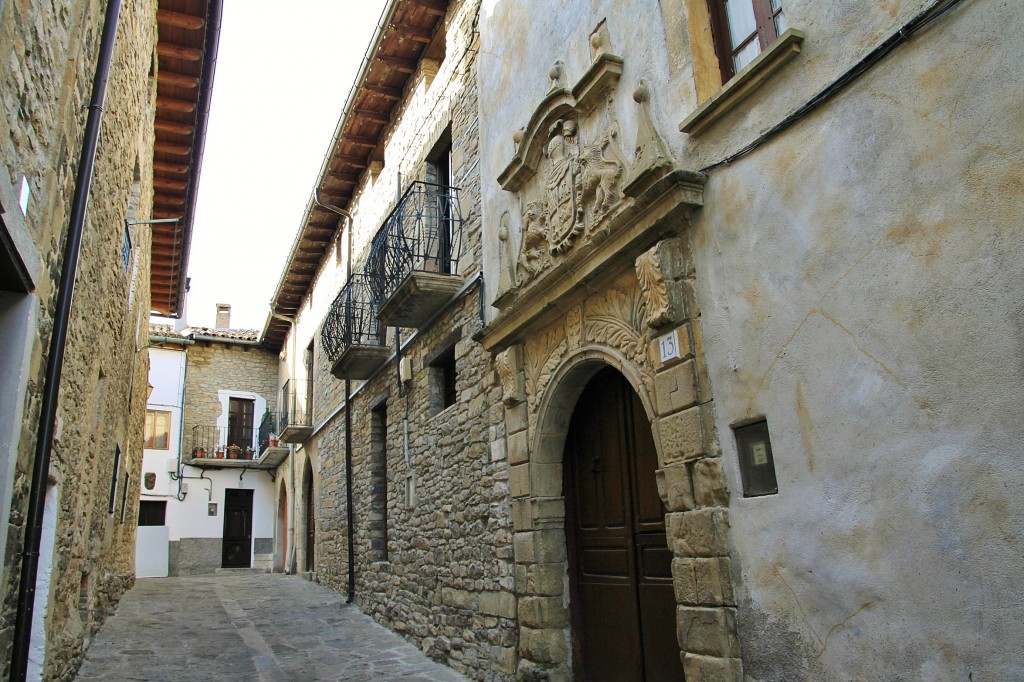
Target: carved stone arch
(555, 408)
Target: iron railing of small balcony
(422, 234)
(296, 410)
(217, 442)
(352, 319)
(268, 435)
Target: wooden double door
(621, 597)
(237, 539)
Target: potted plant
(272, 439)
(234, 451)
(199, 452)
(249, 452)
(219, 453)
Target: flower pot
(200, 453)
(273, 442)
(220, 454)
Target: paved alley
(248, 627)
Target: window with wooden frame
(158, 430)
(742, 29)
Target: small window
(379, 483)
(113, 479)
(152, 512)
(757, 466)
(742, 29)
(158, 430)
(443, 374)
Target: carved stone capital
(660, 272)
(510, 371)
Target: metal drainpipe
(58, 341)
(349, 505)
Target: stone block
(545, 646)
(709, 487)
(708, 631)
(539, 546)
(519, 480)
(518, 448)
(519, 510)
(703, 581)
(498, 604)
(543, 612)
(712, 669)
(460, 599)
(544, 579)
(681, 436)
(546, 479)
(675, 486)
(698, 533)
(675, 388)
(516, 418)
(703, 381)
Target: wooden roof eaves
(175, 284)
(335, 168)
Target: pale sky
(283, 73)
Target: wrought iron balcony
(414, 258)
(271, 449)
(351, 335)
(220, 447)
(296, 420)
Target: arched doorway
(281, 550)
(310, 517)
(621, 596)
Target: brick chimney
(223, 316)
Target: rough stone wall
(50, 56)
(440, 570)
(216, 366)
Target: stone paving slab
(248, 627)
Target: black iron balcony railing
(422, 234)
(216, 442)
(296, 404)
(269, 433)
(351, 334)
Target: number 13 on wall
(669, 345)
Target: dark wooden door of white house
(237, 529)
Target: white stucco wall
(859, 282)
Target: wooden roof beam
(189, 54)
(372, 115)
(420, 35)
(179, 19)
(398, 63)
(173, 127)
(167, 167)
(435, 7)
(360, 140)
(182, 105)
(383, 90)
(166, 77)
(359, 161)
(170, 185)
(172, 148)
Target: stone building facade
(91, 498)
(709, 418)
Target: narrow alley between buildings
(248, 626)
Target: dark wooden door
(237, 529)
(240, 420)
(310, 522)
(623, 605)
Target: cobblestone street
(248, 627)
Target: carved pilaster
(660, 272)
(510, 371)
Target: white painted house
(204, 505)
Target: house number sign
(669, 345)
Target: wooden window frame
(766, 32)
(149, 439)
